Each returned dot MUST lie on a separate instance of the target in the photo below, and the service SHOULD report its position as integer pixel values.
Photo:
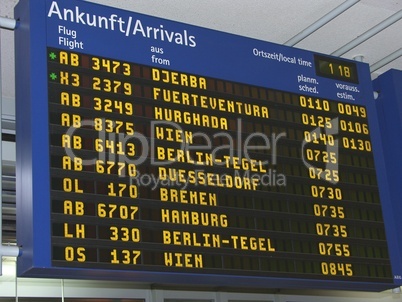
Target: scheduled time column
(321, 158)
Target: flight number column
(93, 95)
(115, 143)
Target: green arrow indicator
(53, 76)
(52, 55)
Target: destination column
(187, 115)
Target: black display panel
(224, 186)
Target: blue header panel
(160, 152)
(84, 27)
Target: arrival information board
(209, 174)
